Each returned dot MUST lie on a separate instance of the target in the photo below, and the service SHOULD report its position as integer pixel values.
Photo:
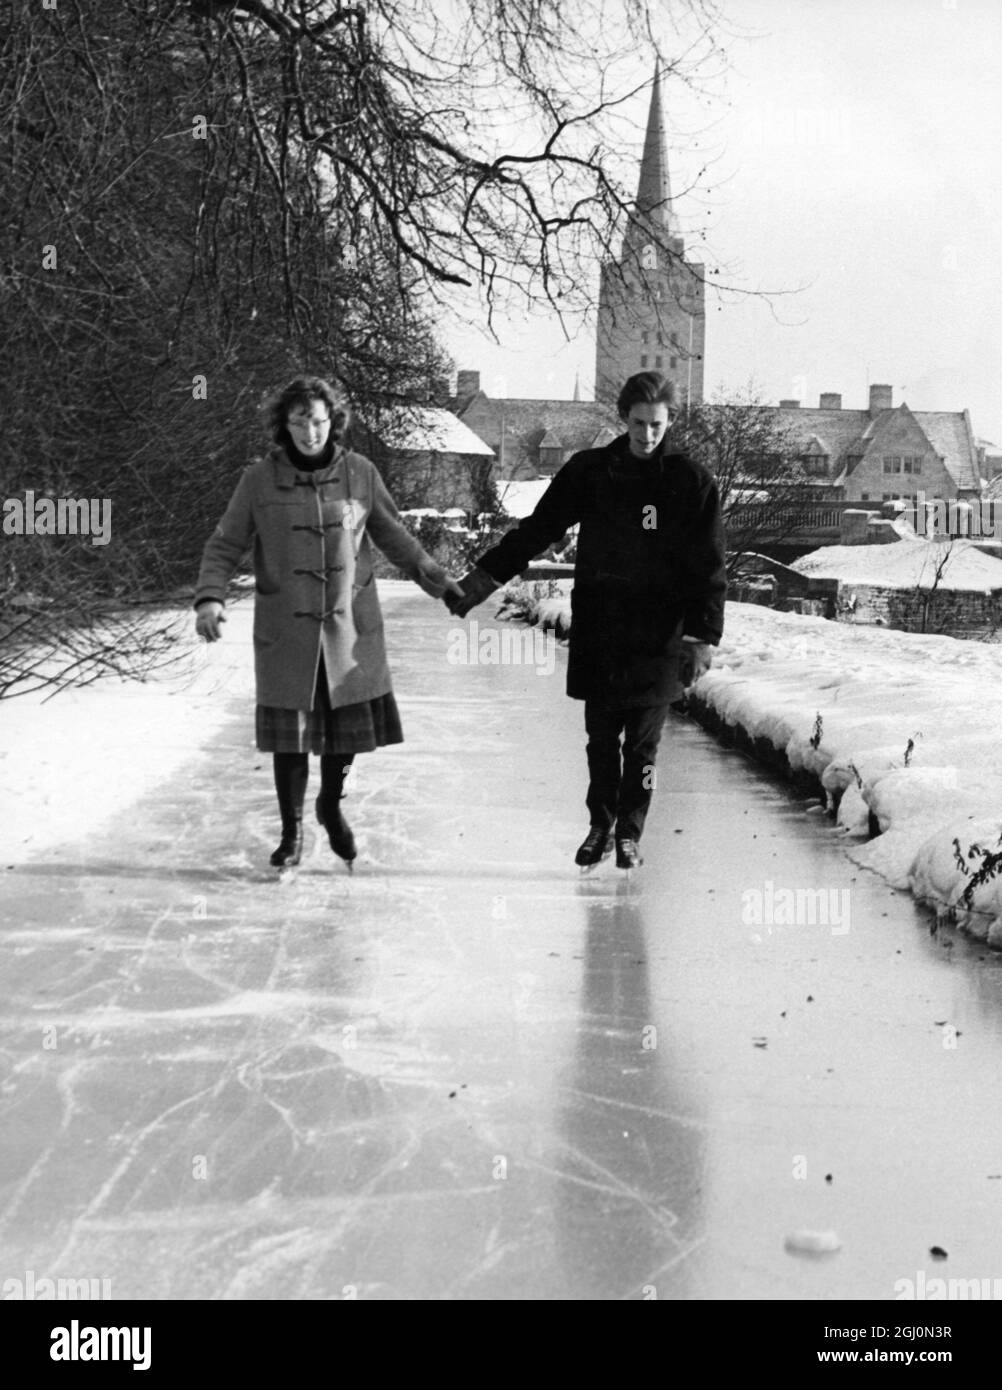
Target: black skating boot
(291, 773)
(339, 832)
(290, 847)
(333, 770)
(597, 845)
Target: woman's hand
(208, 618)
(437, 581)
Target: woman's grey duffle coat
(314, 586)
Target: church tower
(651, 311)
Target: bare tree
(208, 195)
(764, 488)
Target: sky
(852, 156)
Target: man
(647, 604)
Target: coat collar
(285, 473)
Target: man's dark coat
(650, 568)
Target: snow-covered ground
(911, 563)
(71, 762)
(902, 726)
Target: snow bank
(900, 730)
(70, 762)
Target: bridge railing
(762, 516)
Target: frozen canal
(466, 1071)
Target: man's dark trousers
(619, 791)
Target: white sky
(854, 153)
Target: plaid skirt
(350, 729)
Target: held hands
(208, 617)
(475, 587)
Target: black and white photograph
(500, 653)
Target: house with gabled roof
(532, 438)
(991, 459)
(882, 452)
(427, 457)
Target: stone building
(991, 460)
(652, 311)
(532, 438)
(651, 317)
(428, 458)
(883, 452)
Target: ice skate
(597, 845)
(627, 853)
(339, 833)
(290, 847)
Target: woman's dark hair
(303, 392)
(647, 388)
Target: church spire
(654, 204)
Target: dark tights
(292, 772)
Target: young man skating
(647, 604)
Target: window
(892, 463)
(912, 463)
(643, 360)
(674, 362)
(865, 497)
(659, 361)
(647, 337)
(815, 465)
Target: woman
(323, 683)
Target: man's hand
(208, 617)
(695, 661)
(474, 588)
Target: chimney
(881, 398)
(467, 383)
(789, 405)
(830, 400)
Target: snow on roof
(520, 495)
(420, 429)
(905, 564)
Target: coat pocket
(365, 609)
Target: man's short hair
(647, 388)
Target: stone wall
(955, 613)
